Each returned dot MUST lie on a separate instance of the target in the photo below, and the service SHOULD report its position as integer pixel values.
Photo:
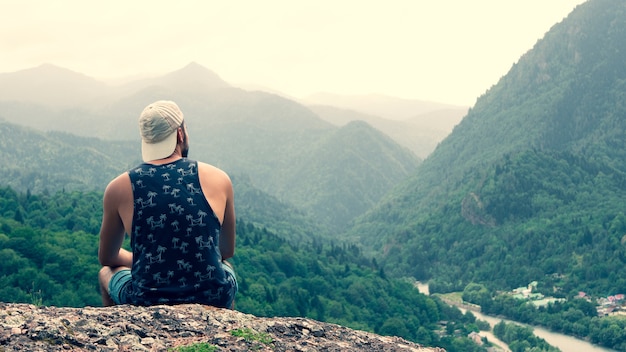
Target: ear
(180, 135)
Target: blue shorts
(120, 284)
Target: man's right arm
(227, 235)
(218, 189)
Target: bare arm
(110, 251)
(218, 189)
(227, 235)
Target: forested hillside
(48, 255)
(530, 185)
(52, 161)
(367, 158)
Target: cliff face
(26, 327)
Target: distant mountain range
(282, 146)
(418, 125)
(420, 133)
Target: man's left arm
(110, 251)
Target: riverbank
(499, 345)
(564, 342)
(475, 309)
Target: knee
(104, 275)
(104, 270)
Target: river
(564, 342)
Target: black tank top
(175, 239)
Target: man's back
(175, 238)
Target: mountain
(366, 157)
(379, 105)
(416, 124)
(420, 133)
(89, 108)
(193, 78)
(266, 137)
(530, 184)
(51, 86)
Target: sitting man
(180, 216)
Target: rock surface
(25, 327)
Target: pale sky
(448, 51)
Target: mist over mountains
(420, 133)
(418, 125)
(284, 148)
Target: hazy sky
(449, 51)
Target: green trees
(521, 338)
(533, 216)
(326, 283)
(50, 258)
(477, 294)
(45, 258)
(609, 332)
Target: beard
(185, 149)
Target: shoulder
(119, 188)
(214, 175)
(214, 172)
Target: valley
(526, 185)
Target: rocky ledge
(25, 327)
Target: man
(180, 216)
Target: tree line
(48, 256)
